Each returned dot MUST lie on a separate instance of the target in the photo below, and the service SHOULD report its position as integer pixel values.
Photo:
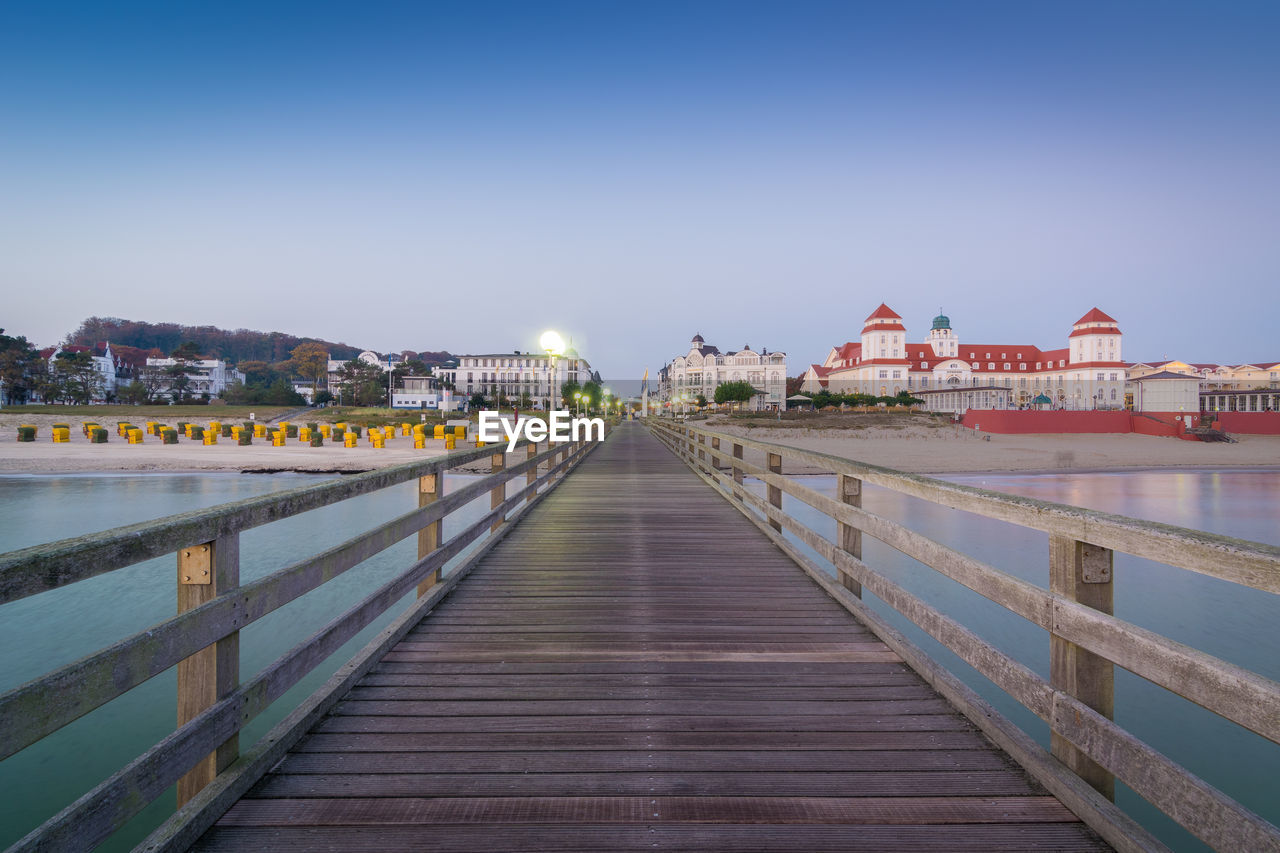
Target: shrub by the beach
(317, 439)
(169, 435)
(291, 431)
(246, 437)
(98, 435)
(26, 433)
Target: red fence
(1026, 422)
(1250, 423)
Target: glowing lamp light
(551, 343)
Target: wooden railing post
(850, 492)
(702, 453)
(737, 471)
(1083, 573)
(206, 571)
(775, 492)
(429, 536)
(497, 464)
(532, 476)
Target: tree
(567, 390)
(180, 372)
(735, 392)
(134, 394)
(310, 361)
(76, 379)
(361, 383)
(477, 401)
(701, 400)
(17, 359)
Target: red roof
(1095, 316)
(1094, 331)
(820, 370)
(884, 312)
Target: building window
(991, 365)
(884, 374)
(1007, 366)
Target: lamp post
(389, 404)
(553, 345)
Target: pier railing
(202, 756)
(1089, 751)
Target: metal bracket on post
(1095, 563)
(197, 565)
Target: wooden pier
(636, 668)
(636, 648)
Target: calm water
(51, 629)
(1236, 624)
(48, 630)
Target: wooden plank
(855, 811)
(729, 838)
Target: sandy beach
(952, 449)
(907, 447)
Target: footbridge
(635, 647)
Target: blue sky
(464, 175)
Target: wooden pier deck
(636, 667)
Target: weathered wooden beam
(1082, 573)
(775, 488)
(497, 462)
(849, 489)
(429, 490)
(206, 571)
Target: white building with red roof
(1088, 373)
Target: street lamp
(577, 399)
(553, 345)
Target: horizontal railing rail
(1086, 640)
(202, 640)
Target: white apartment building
(704, 367)
(211, 376)
(515, 374)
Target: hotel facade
(949, 374)
(704, 367)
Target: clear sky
(463, 175)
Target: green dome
(942, 321)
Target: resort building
(207, 376)
(704, 367)
(1087, 373)
(1217, 377)
(517, 375)
(419, 392)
